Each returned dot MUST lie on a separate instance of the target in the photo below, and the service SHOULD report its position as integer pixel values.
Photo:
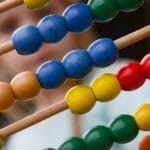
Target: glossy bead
(36, 4)
(131, 76)
(25, 85)
(80, 99)
(103, 10)
(145, 143)
(78, 17)
(53, 28)
(106, 87)
(142, 117)
(73, 143)
(103, 52)
(146, 65)
(98, 138)
(27, 40)
(77, 64)
(7, 98)
(124, 129)
(51, 74)
(129, 5)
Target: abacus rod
(6, 47)
(120, 43)
(33, 119)
(133, 37)
(9, 4)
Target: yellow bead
(80, 99)
(25, 85)
(7, 98)
(106, 87)
(36, 4)
(142, 117)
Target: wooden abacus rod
(9, 4)
(33, 119)
(133, 37)
(122, 42)
(62, 105)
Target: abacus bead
(145, 143)
(25, 85)
(51, 74)
(7, 98)
(77, 64)
(80, 99)
(103, 10)
(78, 17)
(129, 5)
(98, 138)
(142, 117)
(146, 65)
(36, 4)
(52, 28)
(73, 143)
(106, 87)
(27, 40)
(103, 52)
(131, 76)
(124, 129)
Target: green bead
(103, 10)
(73, 143)
(124, 129)
(98, 138)
(129, 5)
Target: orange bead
(25, 85)
(7, 97)
(145, 143)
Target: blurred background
(53, 131)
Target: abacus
(81, 98)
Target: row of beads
(81, 98)
(124, 5)
(75, 64)
(121, 130)
(76, 18)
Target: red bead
(146, 65)
(131, 76)
(145, 143)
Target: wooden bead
(142, 117)
(145, 143)
(146, 65)
(131, 76)
(7, 98)
(36, 4)
(124, 129)
(106, 87)
(80, 99)
(25, 85)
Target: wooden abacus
(120, 81)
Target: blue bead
(27, 40)
(51, 74)
(78, 17)
(77, 64)
(103, 52)
(53, 28)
